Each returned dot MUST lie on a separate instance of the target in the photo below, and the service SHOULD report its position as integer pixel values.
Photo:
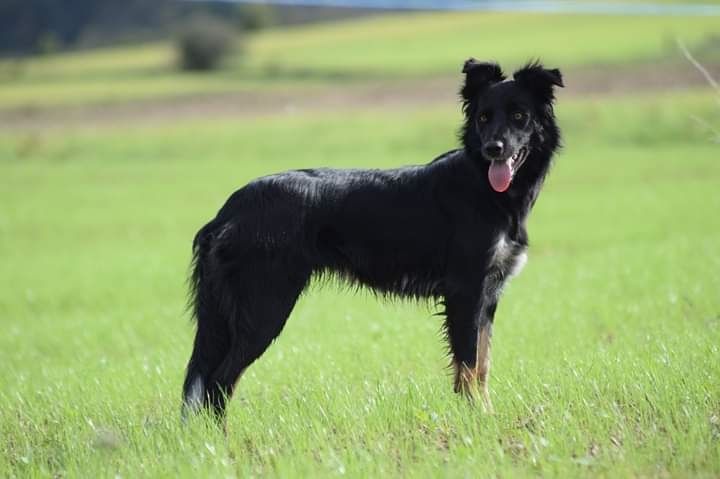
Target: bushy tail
(198, 267)
(211, 335)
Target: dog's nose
(493, 149)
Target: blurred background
(124, 126)
(106, 62)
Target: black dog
(452, 230)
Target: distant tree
(45, 26)
(204, 42)
(25, 25)
(30, 26)
(254, 17)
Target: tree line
(44, 26)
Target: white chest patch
(508, 256)
(501, 251)
(519, 263)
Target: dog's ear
(539, 80)
(478, 76)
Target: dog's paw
(469, 385)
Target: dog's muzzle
(502, 172)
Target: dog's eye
(518, 116)
(483, 118)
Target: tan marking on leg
(472, 382)
(466, 380)
(482, 365)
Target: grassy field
(408, 46)
(606, 359)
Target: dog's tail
(198, 267)
(204, 305)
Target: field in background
(409, 47)
(606, 358)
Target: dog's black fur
(437, 231)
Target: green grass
(411, 45)
(605, 360)
(432, 43)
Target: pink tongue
(500, 175)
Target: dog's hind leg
(209, 350)
(211, 338)
(264, 300)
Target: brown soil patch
(376, 94)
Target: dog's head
(506, 120)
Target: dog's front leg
(483, 362)
(469, 331)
